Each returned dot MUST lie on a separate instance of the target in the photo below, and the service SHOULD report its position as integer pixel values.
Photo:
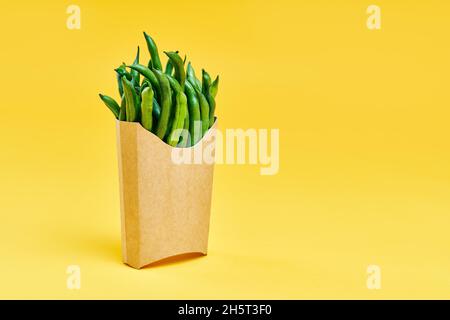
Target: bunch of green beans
(171, 103)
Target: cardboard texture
(165, 207)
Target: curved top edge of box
(155, 138)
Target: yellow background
(364, 148)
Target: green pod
(178, 121)
(149, 74)
(111, 104)
(174, 84)
(186, 140)
(156, 111)
(169, 68)
(206, 82)
(212, 108)
(178, 65)
(131, 101)
(166, 104)
(204, 110)
(145, 83)
(120, 72)
(137, 99)
(134, 74)
(190, 75)
(123, 72)
(206, 86)
(123, 109)
(195, 129)
(119, 83)
(147, 108)
(153, 49)
(214, 87)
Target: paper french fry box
(165, 205)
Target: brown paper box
(165, 207)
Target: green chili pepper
(166, 103)
(214, 87)
(190, 74)
(194, 113)
(151, 45)
(131, 101)
(204, 110)
(177, 63)
(146, 108)
(123, 108)
(111, 104)
(134, 73)
(149, 74)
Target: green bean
(204, 110)
(206, 86)
(131, 101)
(185, 135)
(166, 104)
(153, 49)
(156, 111)
(206, 82)
(146, 108)
(169, 68)
(174, 84)
(212, 108)
(119, 82)
(214, 87)
(145, 83)
(177, 63)
(149, 74)
(120, 72)
(190, 74)
(178, 121)
(134, 73)
(123, 109)
(194, 113)
(111, 104)
(123, 73)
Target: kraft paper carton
(165, 206)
